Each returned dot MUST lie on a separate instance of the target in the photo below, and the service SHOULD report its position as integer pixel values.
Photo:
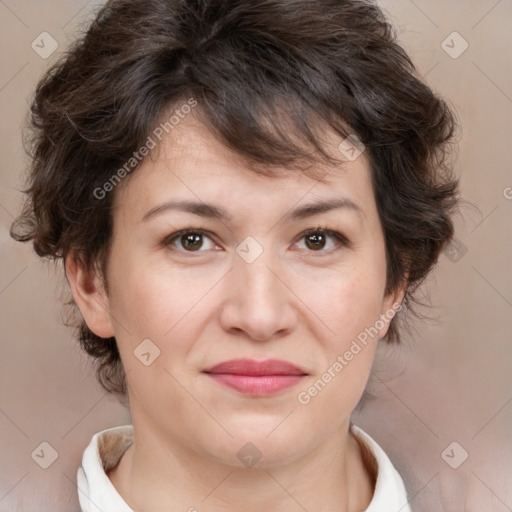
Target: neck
(156, 473)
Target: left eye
(316, 240)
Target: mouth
(256, 378)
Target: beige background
(451, 381)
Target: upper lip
(256, 368)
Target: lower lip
(262, 385)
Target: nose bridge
(260, 281)
(260, 285)
(260, 303)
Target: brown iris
(315, 241)
(192, 241)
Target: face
(263, 279)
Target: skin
(298, 301)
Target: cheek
(360, 303)
(350, 307)
(347, 300)
(150, 312)
(353, 311)
(151, 298)
(160, 303)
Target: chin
(261, 448)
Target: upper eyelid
(340, 237)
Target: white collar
(96, 491)
(390, 494)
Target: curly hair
(255, 68)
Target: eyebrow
(207, 210)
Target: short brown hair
(251, 66)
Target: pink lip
(256, 378)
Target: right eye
(190, 240)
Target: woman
(245, 196)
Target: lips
(256, 368)
(256, 378)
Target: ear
(90, 297)
(391, 304)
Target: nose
(259, 302)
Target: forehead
(190, 164)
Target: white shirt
(96, 491)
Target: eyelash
(341, 239)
